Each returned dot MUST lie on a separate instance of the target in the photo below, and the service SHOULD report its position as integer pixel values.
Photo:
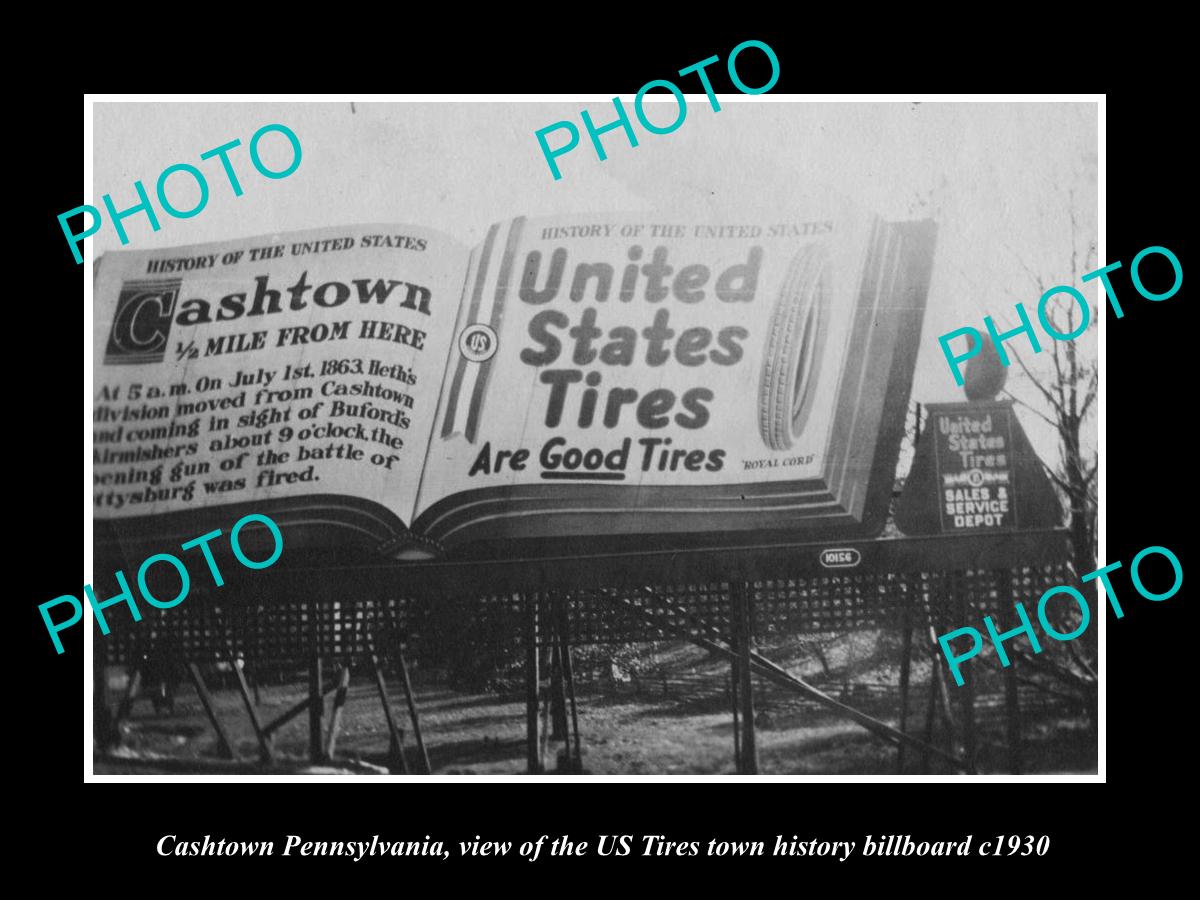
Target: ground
(673, 718)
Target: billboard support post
(107, 730)
(316, 707)
(905, 673)
(575, 752)
(533, 755)
(1012, 702)
(132, 689)
(743, 634)
(735, 682)
(224, 745)
(930, 718)
(335, 715)
(969, 737)
(406, 683)
(395, 735)
(266, 754)
(558, 692)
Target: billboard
(568, 384)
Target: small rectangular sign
(974, 456)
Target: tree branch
(1035, 411)
(1089, 397)
(1037, 384)
(1033, 276)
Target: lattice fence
(271, 630)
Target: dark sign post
(975, 472)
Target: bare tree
(1065, 388)
(1059, 386)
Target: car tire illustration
(795, 346)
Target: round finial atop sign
(985, 375)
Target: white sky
(999, 175)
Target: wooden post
(943, 695)
(1012, 700)
(1012, 705)
(544, 733)
(734, 681)
(930, 714)
(532, 752)
(548, 637)
(412, 712)
(967, 689)
(564, 637)
(104, 730)
(395, 735)
(224, 746)
(558, 695)
(264, 739)
(335, 715)
(905, 669)
(937, 674)
(568, 671)
(283, 718)
(744, 631)
(931, 705)
(776, 674)
(316, 708)
(132, 687)
(316, 697)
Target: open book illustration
(568, 385)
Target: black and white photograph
(681, 435)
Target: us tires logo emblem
(477, 343)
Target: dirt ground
(676, 723)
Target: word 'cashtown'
(295, 845)
(268, 301)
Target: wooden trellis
(324, 615)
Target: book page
(306, 363)
(626, 362)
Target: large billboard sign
(568, 384)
